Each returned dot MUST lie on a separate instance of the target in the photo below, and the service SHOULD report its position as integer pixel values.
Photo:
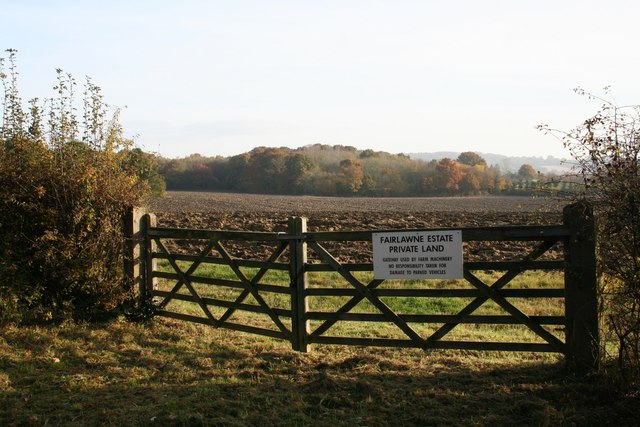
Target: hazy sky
(222, 77)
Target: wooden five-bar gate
(301, 256)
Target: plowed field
(270, 213)
(250, 212)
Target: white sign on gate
(418, 255)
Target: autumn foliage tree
(352, 175)
(470, 158)
(527, 172)
(449, 175)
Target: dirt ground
(250, 212)
(269, 213)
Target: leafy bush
(145, 166)
(606, 148)
(62, 199)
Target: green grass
(400, 305)
(168, 372)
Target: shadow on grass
(168, 373)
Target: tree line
(338, 170)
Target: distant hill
(547, 164)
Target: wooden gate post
(133, 250)
(581, 288)
(149, 263)
(299, 303)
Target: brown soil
(252, 212)
(267, 213)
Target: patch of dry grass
(175, 373)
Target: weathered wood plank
(133, 264)
(251, 263)
(262, 287)
(225, 304)
(503, 233)
(514, 265)
(299, 283)
(435, 318)
(474, 265)
(185, 233)
(227, 325)
(443, 345)
(440, 293)
(581, 282)
(316, 267)
(148, 220)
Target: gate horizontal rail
(498, 233)
(485, 265)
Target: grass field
(399, 305)
(167, 372)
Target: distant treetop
(470, 158)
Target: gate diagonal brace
(178, 271)
(498, 284)
(250, 287)
(184, 279)
(254, 281)
(348, 306)
(364, 290)
(515, 312)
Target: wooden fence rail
(295, 322)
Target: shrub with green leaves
(606, 148)
(64, 187)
